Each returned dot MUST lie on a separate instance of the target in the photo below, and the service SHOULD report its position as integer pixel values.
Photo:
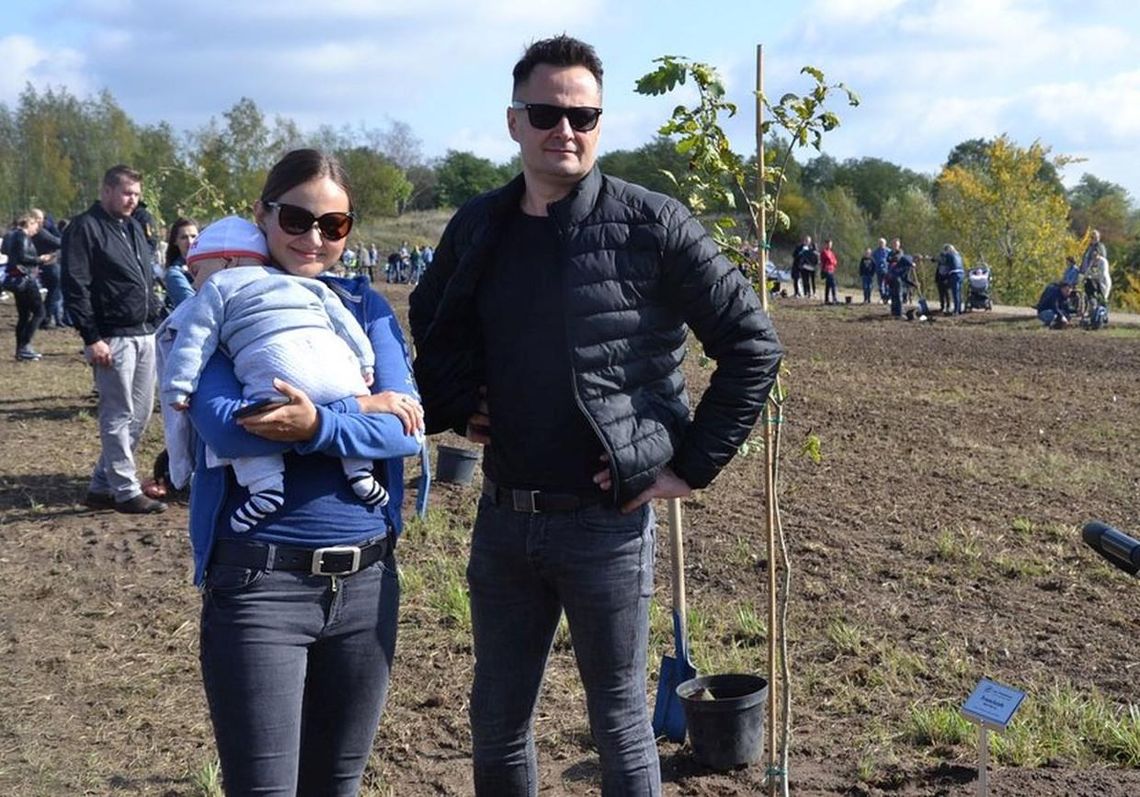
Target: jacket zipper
(573, 382)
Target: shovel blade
(668, 713)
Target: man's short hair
(120, 173)
(557, 51)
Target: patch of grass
(938, 725)
(1057, 470)
(846, 637)
(751, 628)
(417, 227)
(1023, 525)
(207, 781)
(958, 544)
(1013, 566)
(1063, 722)
(453, 603)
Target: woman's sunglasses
(543, 117)
(298, 221)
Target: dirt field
(936, 541)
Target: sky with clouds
(930, 73)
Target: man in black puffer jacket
(551, 328)
(108, 288)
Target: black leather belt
(539, 500)
(335, 560)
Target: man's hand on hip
(479, 424)
(667, 485)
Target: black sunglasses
(543, 117)
(298, 221)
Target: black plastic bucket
(455, 465)
(726, 731)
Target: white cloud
(25, 61)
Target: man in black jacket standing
(551, 329)
(109, 293)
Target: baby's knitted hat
(232, 236)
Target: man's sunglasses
(543, 117)
(298, 221)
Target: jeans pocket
(607, 520)
(230, 579)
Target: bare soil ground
(934, 542)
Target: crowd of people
(889, 273)
(406, 264)
(1061, 303)
(886, 272)
(289, 405)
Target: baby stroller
(1096, 309)
(978, 293)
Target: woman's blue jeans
(525, 570)
(296, 675)
(956, 290)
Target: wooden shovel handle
(677, 555)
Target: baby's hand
(403, 406)
(181, 406)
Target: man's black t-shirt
(540, 438)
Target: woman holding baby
(298, 625)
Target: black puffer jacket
(638, 269)
(108, 285)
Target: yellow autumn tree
(1005, 209)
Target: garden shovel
(668, 713)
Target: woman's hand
(295, 422)
(407, 409)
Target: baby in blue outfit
(270, 324)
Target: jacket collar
(569, 211)
(573, 208)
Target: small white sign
(992, 704)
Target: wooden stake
(769, 445)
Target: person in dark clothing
(108, 287)
(567, 271)
(805, 260)
(149, 225)
(899, 276)
(867, 274)
(20, 278)
(1053, 306)
(47, 242)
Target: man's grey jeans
(126, 401)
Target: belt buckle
(318, 567)
(523, 501)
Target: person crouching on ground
(1053, 306)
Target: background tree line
(995, 200)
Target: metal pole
(983, 761)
